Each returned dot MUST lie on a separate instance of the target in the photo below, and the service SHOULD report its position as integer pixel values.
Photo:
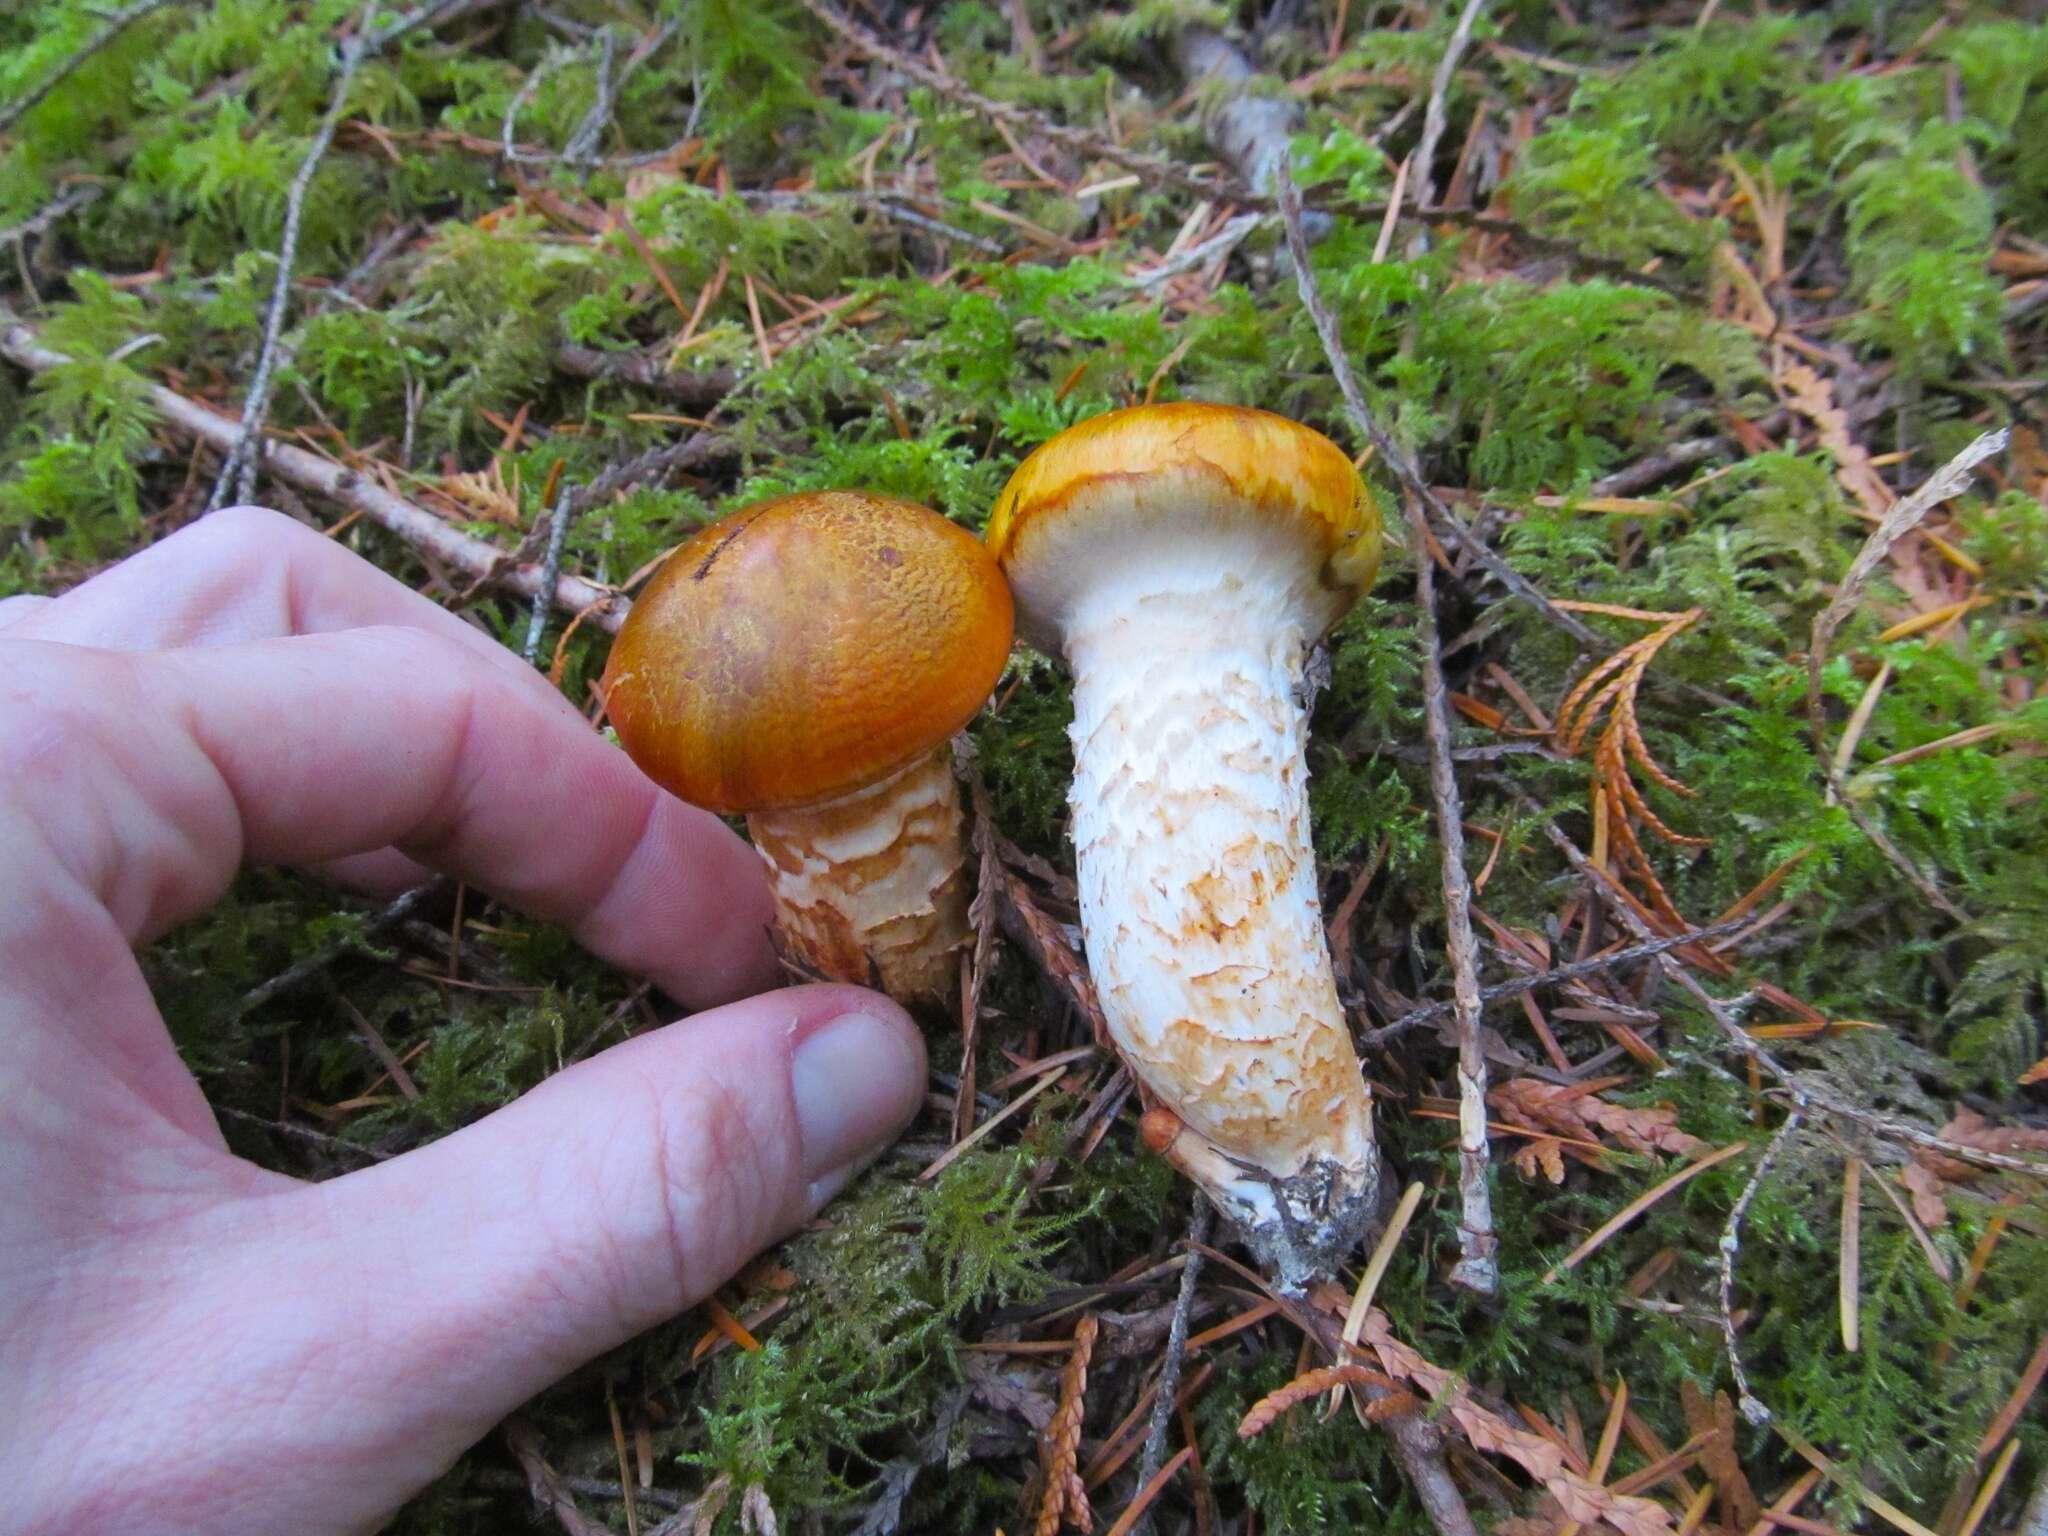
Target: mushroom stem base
(871, 887)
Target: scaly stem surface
(871, 887)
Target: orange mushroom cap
(1158, 466)
(806, 647)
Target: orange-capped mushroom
(1186, 560)
(806, 661)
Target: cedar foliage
(1910, 147)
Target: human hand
(189, 1342)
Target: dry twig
(1176, 1344)
(238, 469)
(357, 491)
(1087, 146)
(1433, 114)
(1478, 1266)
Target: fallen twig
(1433, 115)
(1176, 1346)
(1389, 449)
(414, 524)
(1577, 970)
(1478, 1266)
(238, 469)
(684, 387)
(1254, 133)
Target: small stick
(238, 471)
(1751, 1405)
(1575, 971)
(1433, 114)
(1087, 146)
(357, 491)
(1390, 451)
(1176, 1348)
(1478, 1266)
(550, 574)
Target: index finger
(150, 777)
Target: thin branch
(550, 573)
(581, 150)
(1388, 447)
(383, 921)
(1576, 971)
(432, 14)
(1254, 133)
(238, 470)
(1951, 480)
(1176, 1350)
(1478, 1266)
(1433, 115)
(357, 491)
(113, 27)
(1752, 1406)
(694, 388)
(36, 223)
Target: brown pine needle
(1851, 1269)
(2022, 1394)
(1136, 1510)
(1640, 1204)
(1992, 1483)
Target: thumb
(485, 1267)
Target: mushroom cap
(806, 647)
(1170, 472)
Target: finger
(385, 874)
(243, 573)
(486, 1266)
(15, 609)
(152, 776)
(383, 1321)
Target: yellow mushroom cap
(806, 647)
(1159, 471)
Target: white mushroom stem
(870, 887)
(1198, 890)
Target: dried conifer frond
(1609, 691)
(1312, 1384)
(1064, 1500)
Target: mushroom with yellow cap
(806, 661)
(1186, 559)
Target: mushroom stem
(870, 887)
(1198, 894)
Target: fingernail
(856, 1080)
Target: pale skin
(192, 1343)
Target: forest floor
(1662, 316)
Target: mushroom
(1186, 560)
(806, 661)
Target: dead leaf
(1579, 1498)
(1930, 1173)
(1578, 1112)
